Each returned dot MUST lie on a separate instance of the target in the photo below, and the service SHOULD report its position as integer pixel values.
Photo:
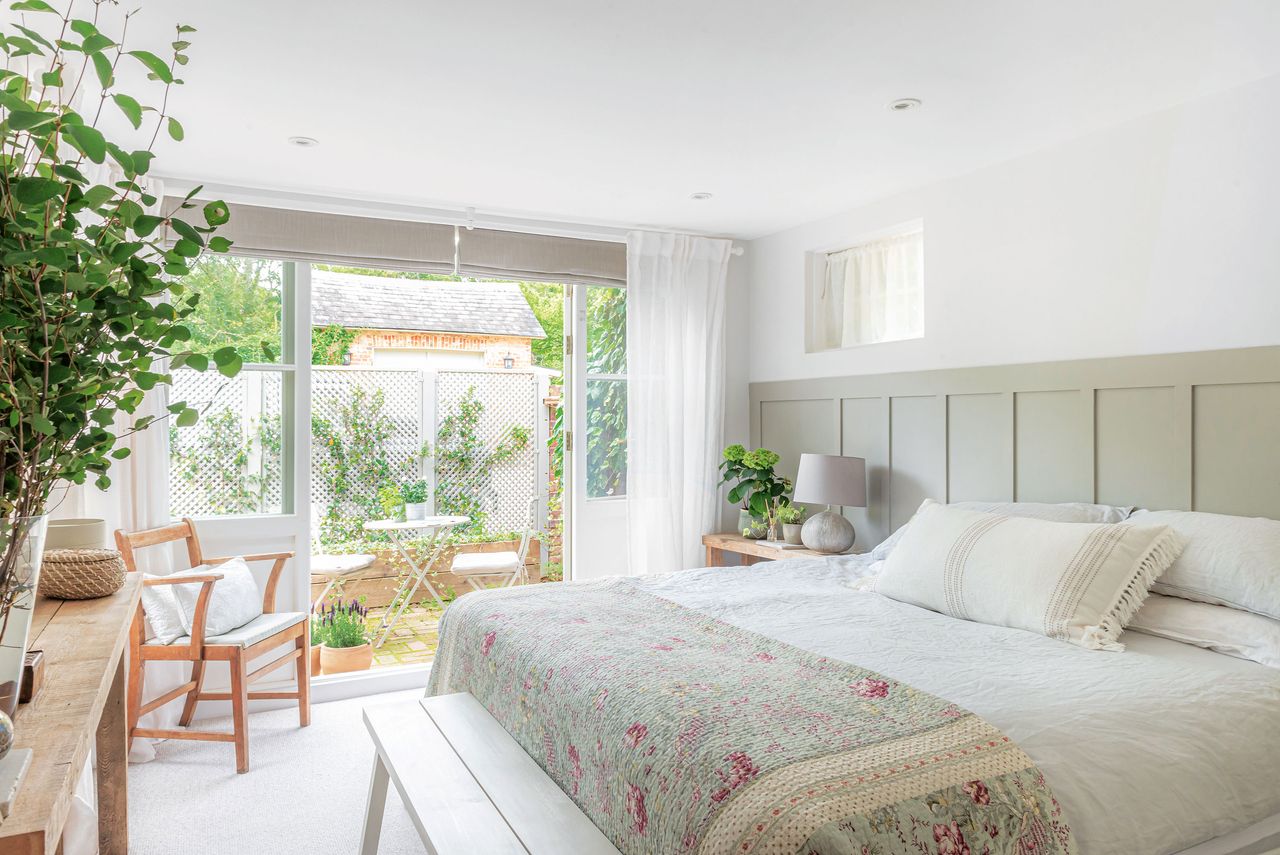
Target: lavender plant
(344, 624)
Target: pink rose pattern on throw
(658, 720)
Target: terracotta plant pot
(315, 660)
(339, 660)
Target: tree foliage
(606, 399)
(547, 302)
(240, 306)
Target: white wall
(1159, 235)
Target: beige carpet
(304, 793)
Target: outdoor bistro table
(435, 526)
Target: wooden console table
(82, 705)
(752, 551)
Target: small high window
(868, 293)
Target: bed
(1165, 748)
(1152, 751)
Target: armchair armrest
(269, 594)
(182, 580)
(261, 556)
(206, 582)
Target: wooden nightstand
(752, 551)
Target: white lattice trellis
(230, 461)
(509, 399)
(334, 392)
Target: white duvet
(1150, 751)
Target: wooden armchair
(238, 647)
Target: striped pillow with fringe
(1076, 582)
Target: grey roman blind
(333, 238)
(493, 254)
(423, 247)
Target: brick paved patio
(412, 641)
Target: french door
(596, 441)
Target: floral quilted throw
(678, 733)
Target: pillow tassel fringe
(1163, 551)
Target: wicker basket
(81, 574)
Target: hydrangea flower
(735, 453)
(761, 458)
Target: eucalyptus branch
(80, 270)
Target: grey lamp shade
(828, 479)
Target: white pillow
(1229, 561)
(235, 601)
(1226, 630)
(162, 611)
(1060, 512)
(1076, 582)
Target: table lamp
(828, 479)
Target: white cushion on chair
(164, 615)
(339, 565)
(261, 627)
(234, 602)
(483, 563)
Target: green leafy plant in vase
(755, 487)
(345, 637)
(414, 495)
(92, 309)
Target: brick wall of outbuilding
(495, 348)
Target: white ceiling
(598, 111)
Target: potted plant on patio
(414, 495)
(346, 644)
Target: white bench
(469, 786)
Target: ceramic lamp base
(827, 532)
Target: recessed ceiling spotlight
(903, 104)
(699, 197)
(304, 142)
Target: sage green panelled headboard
(1196, 431)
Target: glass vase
(21, 549)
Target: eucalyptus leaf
(88, 140)
(35, 191)
(217, 213)
(33, 6)
(153, 63)
(130, 107)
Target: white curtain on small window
(872, 293)
(675, 400)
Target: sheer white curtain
(675, 396)
(137, 498)
(872, 293)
